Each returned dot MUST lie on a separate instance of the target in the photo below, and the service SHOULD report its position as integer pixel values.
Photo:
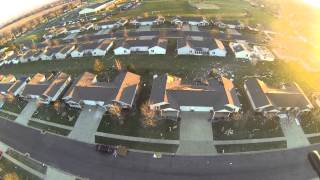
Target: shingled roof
(122, 89)
(289, 96)
(218, 93)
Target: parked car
(314, 159)
(103, 148)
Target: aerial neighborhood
(183, 77)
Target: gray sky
(11, 9)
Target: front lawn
(138, 145)
(253, 127)
(11, 171)
(28, 161)
(7, 116)
(48, 128)
(14, 105)
(57, 113)
(310, 121)
(233, 148)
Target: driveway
(293, 132)
(27, 112)
(87, 124)
(196, 137)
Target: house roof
(145, 19)
(122, 89)
(104, 44)
(138, 43)
(189, 18)
(218, 93)
(199, 44)
(53, 50)
(55, 85)
(290, 95)
(37, 85)
(88, 46)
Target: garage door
(196, 108)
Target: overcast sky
(10, 9)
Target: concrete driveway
(87, 124)
(196, 137)
(27, 112)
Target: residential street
(81, 159)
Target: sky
(10, 9)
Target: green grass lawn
(231, 9)
(14, 105)
(314, 140)
(27, 161)
(8, 116)
(247, 129)
(310, 122)
(48, 128)
(11, 171)
(251, 147)
(138, 145)
(57, 113)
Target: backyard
(310, 121)
(14, 105)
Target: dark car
(103, 148)
(314, 159)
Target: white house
(86, 90)
(102, 48)
(201, 47)
(148, 21)
(85, 49)
(64, 52)
(240, 50)
(55, 32)
(94, 8)
(110, 24)
(263, 53)
(30, 55)
(50, 52)
(150, 46)
(169, 96)
(194, 21)
(10, 85)
(231, 24)
(74, 29)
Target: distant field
(231, 9)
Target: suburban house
(74, 29)
(240, 50)
(64, 52)
(55, 32)
(207, 47)
(9, 85)
(110, 24)
(57, 86)
(50, 52)
(263, 53)
(216, 96)
(276, 100)
(46, 89)
(88, 91)
(194, 21)
(85, 49)
(30, 55)
(148, 21)
(94, 8)
(149, 46)
(231, 24)
(102, 48)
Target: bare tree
(116, 113)
(148, 115)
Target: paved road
(80, 159)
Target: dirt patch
(202, 4)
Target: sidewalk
(137, 139)
(55, 174)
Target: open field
(232, 9)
